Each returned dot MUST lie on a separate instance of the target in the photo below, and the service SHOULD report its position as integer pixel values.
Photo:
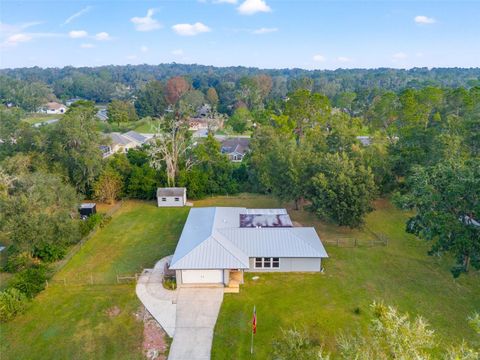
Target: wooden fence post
(118, 281)
(46, 283)
(64, 281)
(338, 242)
(136, 277)
(355, 242)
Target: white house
(219, 243)
(53, 108)
(167, 197)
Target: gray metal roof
(119, 139)
(212, 239)
(87, 205)
(135, 136)
(172, 191)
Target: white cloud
(102, 36)
(264, 30)
(319, 58)
(143, 48)
(87, 46)
(250, 7)
(76, 15)
(400, 55)
(15, 39)
(190, 29)
(424, 20)
(77, 34)
(10, 29)
(147, 23)
(343, 59)
(177, 52)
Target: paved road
(197, 312)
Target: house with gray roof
(121, 143)
(218, 244)
(235, 148)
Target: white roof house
(53, 107)
(218, 241)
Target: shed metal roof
(213, 239)
(172, 191)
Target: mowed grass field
(73, 322)
(34, 118)
(400, 274)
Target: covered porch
(233, 278)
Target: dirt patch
(296, 224)
(155, 341)
(114, 311)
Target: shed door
(202, 276)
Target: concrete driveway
(197, 312)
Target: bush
(12, 302)
(49, 252)
(17, 261)
(30, 281)
(105, 220)
(169, 283)
(90, 223)
(297, 344)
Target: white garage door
(202, 276)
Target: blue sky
(262, 33)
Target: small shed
(87, 209)
(172, 196)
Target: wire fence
(376, 240)
(78, 246)
(97, 279)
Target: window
(164, 199)
(177, 199)
(267, 263)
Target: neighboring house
(102, 115)
(365, 140)
(204, 111)
(136, 137)
(235, 148)
(219, 243)
(121, 143)
(167, 197)
(53, 108)
(195, 124)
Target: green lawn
(400, 274)
(72, 322)
(37, 118)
